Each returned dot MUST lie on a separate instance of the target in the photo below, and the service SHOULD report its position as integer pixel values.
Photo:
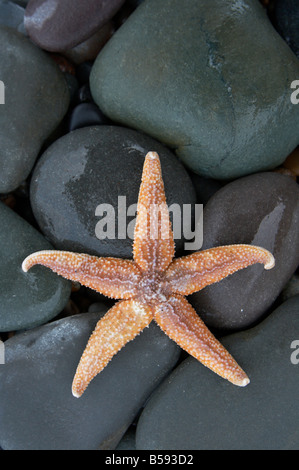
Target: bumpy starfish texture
(153, 286)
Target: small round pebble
(60, 25)
(85, 115)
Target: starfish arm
(116, 278)
(194, 272)
(121, 324)
(153, 239)
(180, 322)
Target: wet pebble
(58, 26)
(224, 112)
(196, 409)
(84, 115)
(26, 299)
(34, 114)
(262, 210)
(92, 167)
(37, 408)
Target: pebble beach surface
(88, 90)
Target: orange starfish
(152, 286)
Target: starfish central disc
(153, 289)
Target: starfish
(152, 286)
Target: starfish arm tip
(268, 259)
(27, 263)
(24, 265)
(270, 262)
(244, 382)
(75, 393)
(241, 380)
(33, 259)
(152, 155)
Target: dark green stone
(36, 99)
(26, 299)
(211, 79)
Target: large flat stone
(195, 409)
(37, 408)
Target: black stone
(262, 210)
(84, 115)
(94, 166)
(37, 408)
(286, 15)
(194, 409)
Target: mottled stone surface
(216, 87)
